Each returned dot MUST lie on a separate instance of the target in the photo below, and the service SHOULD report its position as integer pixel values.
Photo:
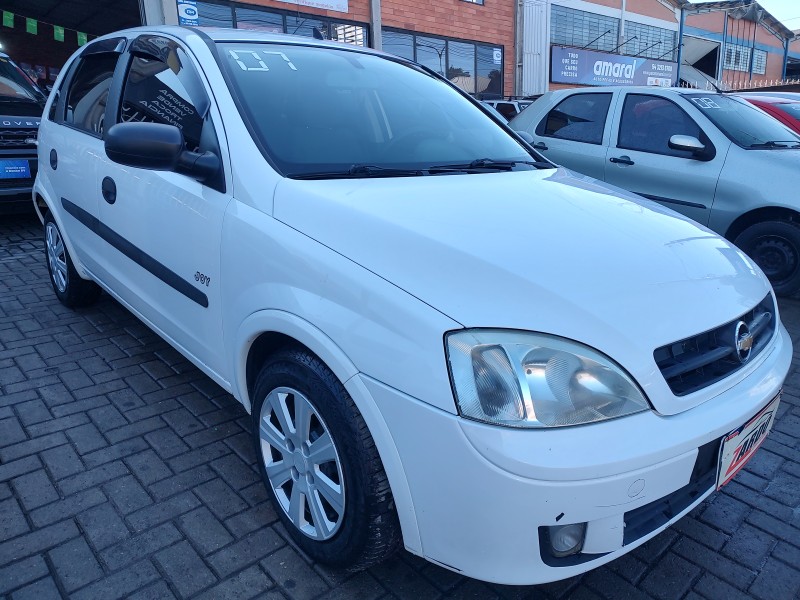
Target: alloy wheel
(56, 257)
(302, 464)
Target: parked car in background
(713, 157)
(509, 108)
(21, 105)
(785, 110)
(494, 112)
(443, 340)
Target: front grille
(17, 138)
(693, 363)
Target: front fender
(278, 321)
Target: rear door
(162, 243)
(640, 160)
(74, 143)
(574, 133)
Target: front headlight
(523, 379)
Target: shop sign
(187, 13)
(588, 67)
(337, 5)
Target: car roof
(642, 89)
(221, 34)
(768, 99)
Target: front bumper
(481, 493)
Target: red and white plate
(740, 444)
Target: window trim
(541, 127)
(710, 151)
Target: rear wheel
(320, 465)
(70, 289)
(775, 247)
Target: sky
(786, 11)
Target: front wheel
(70, 289)
(320, 465)
(775, 247)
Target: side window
(88, 92)
(648, 122)
(580, 118)
(166, 92)
(507, 109)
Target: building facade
(738, 45)
(598, 42)
(471, 42)
(733, 44)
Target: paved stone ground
(125, 472)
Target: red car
(785, 110)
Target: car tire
(775, 247)
(333, 499)
(70, 288)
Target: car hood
(547, 251)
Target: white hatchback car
(443, 339)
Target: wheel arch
(758, 215)
(267, 331)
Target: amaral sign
(588, 67)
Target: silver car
(712, 157)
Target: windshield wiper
(777, 144)
(359, 171)
(488, 164)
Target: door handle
(540, 146)
(622, 160)
(109, 189)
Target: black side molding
(136, 254)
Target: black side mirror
(159, 147)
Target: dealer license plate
(15, 169)
(740, 445)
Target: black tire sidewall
(788, 231)
(77, 291)
(333, 405)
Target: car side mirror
(159, 147)
(527, 137)
(688, 143)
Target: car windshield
(327, 113)
(744, 124)
(15, 85)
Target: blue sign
(15, 169)
(188, 13)
(588, 67)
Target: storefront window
(489, 82)
(247, 18)
(649, 41)
(461, 65)
(214, 15)
(475, 68)
(431, 53)
(400, 44)
(571, 27)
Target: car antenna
(707, 78)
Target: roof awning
(695, 48)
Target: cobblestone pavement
(125, 472)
